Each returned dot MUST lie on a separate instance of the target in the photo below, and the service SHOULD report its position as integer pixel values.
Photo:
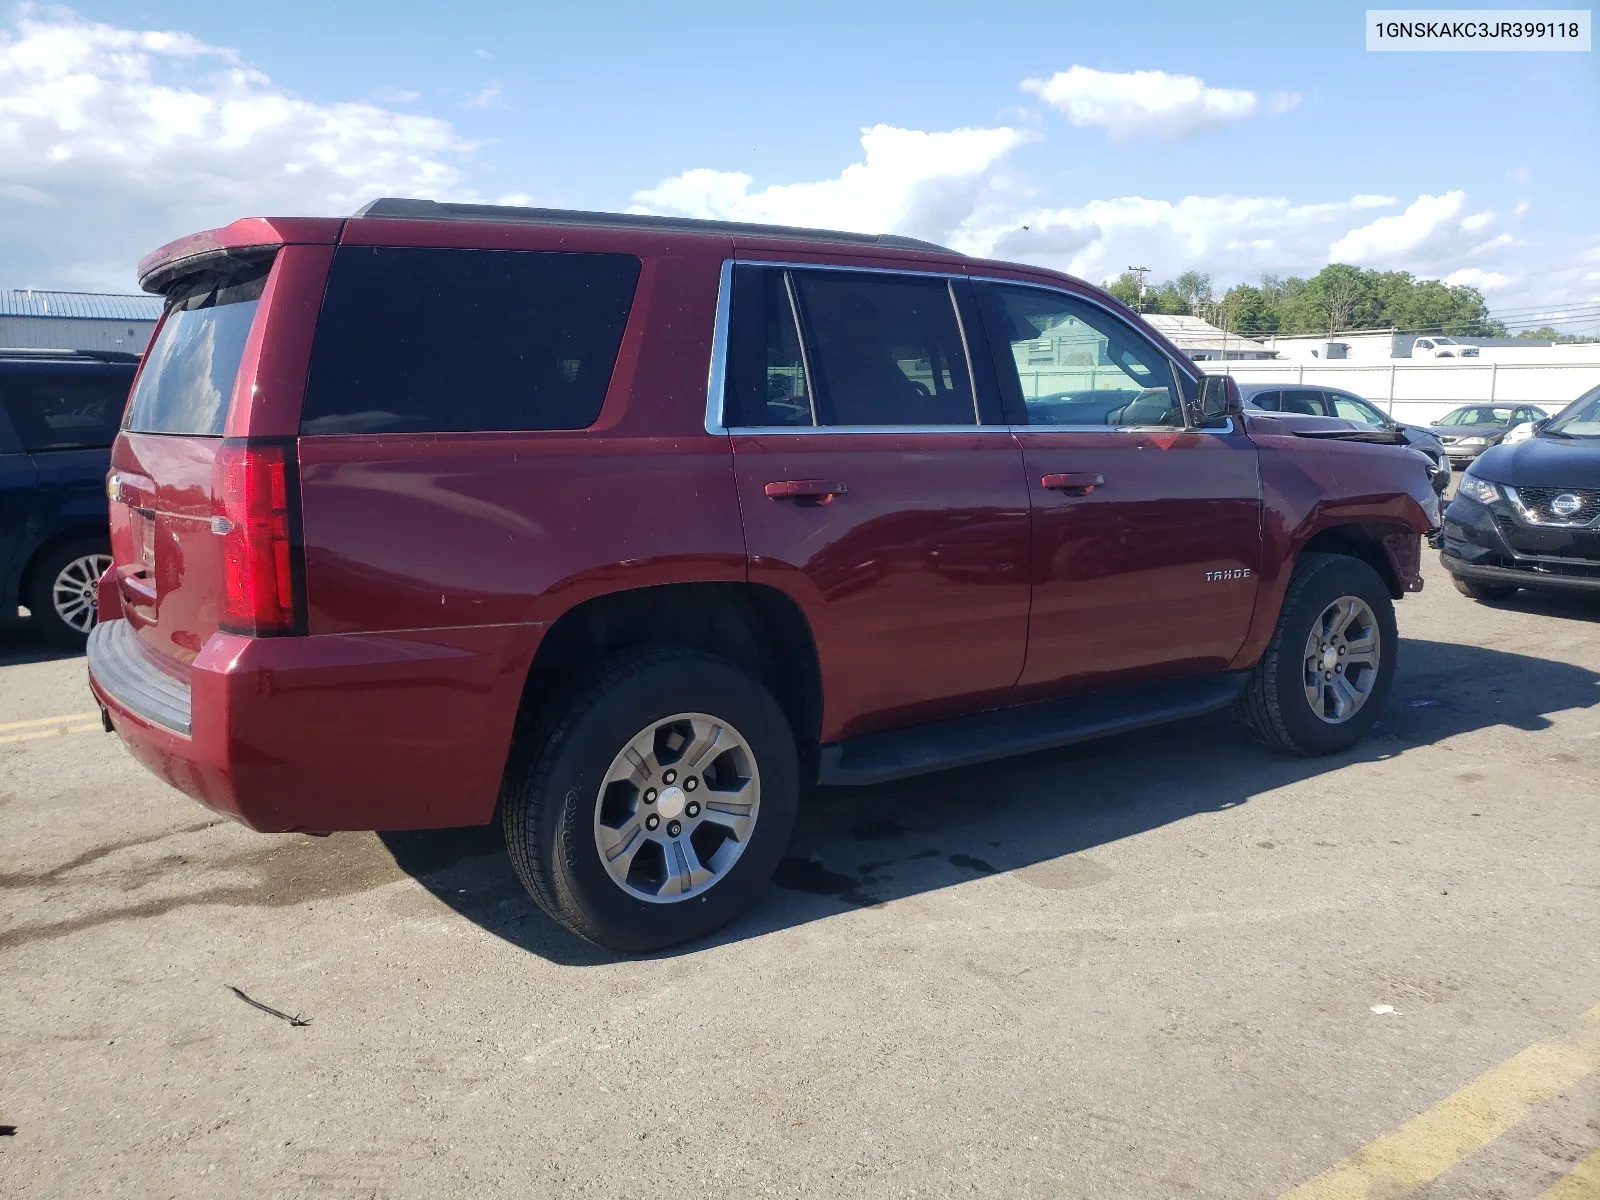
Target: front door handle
(805, 491)
(1076, 483)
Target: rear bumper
(316, 734)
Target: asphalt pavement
(1166, 965)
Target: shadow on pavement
(864, 846)
(21, 643)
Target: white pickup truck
(1441, 347)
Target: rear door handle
(805, 491)
(1076, 483)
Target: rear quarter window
(454, 341)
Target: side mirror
(1219, 398)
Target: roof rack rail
(110, 356)
(395, 208)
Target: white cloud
(1131, 104)
(487, 96)
(928, 185)
(114, 140)
(1426, 231)
(1484, 281)
(395, 95)
(1521, 210)
(1233, 236)
(1477, 221)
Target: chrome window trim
(717, 380)
(717, 377)
(800, 340)
(822, 430)
(966, 349)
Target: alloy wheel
(1341, 659)
(677, 807)
(73, 592)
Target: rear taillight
(254, 489)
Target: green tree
(1126, 288)
(1248, 310)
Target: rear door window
(1304, 401)
(190, 368)
(421, 340)
(884, 349)
(66, 407)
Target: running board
(1001, 733)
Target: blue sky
(1287, 144)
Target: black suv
(1528, 515)
(59, 413)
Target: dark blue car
(59, 412)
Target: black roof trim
(32, 353)
(394, 208)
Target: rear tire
(1483, 591)
(570, 788)
(1292, 703)
(61, 591)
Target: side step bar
(901, 753)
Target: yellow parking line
(1582, 1184)
(44, 733)
(1429, 1144)
(88, 716)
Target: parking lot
(1164, 965)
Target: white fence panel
(1424, 392)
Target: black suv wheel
(652, 804)
(1325, 676)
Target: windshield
(1581, 418)
(1479, 416)
(1444, 341)
(190, 368)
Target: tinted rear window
(66, 408)
(191, 366)
(451, 341)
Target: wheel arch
(759, 628)
(1392, 550)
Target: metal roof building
(33, 319)
(1204, 342)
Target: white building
(1204, 342)
(35, 320)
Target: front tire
(1483, 591)
(652, 802)
(61, 595)
(1325, 676)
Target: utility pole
(1141, 272)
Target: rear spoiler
(251, 237)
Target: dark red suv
(630, 527)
